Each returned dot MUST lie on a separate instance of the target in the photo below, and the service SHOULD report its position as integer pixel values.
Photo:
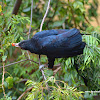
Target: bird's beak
(15, 44)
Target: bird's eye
(22, 43)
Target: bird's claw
(41, 67)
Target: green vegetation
(67, 83)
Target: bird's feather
(60, 43)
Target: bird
(55, 43)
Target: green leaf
(0, 8)
(48, 72)
(4, 58)
(16, 79)
(27, 9)
(9, 80)
(5, 84)
(79, 5)
(1, 50)
(57, 24)
(67, 77)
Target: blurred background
(96, 22)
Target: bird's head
(23, 45)
(27, 45)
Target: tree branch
(19, 62)
(45, 15)
(41, 30)
(55, 71)
(15, 11)
(3, 80)
(86, 19)
(16, 6)
(30, 19)
(23, 80)
(25, 93)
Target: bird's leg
(39, 60)
(40, 65)
(41, 68)
(51, 62)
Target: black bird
(58, 43)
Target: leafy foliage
(57, 90)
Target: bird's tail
(79, 73)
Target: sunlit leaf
(9, 80)
(4, 58)
(0, 8)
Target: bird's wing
(56, 43)
(46, 33)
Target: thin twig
(25, 93)
(13, 63)
(45, 79)
(3, 80)
(45, 15)
(86, 19)
(31, 19)
(63, 25)
(19, 62)
(28, 56)
(43, 74)
(33, 61)
(41, 30)
(57, 85)
(30, 26)
(55, 71)
(23, 80)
